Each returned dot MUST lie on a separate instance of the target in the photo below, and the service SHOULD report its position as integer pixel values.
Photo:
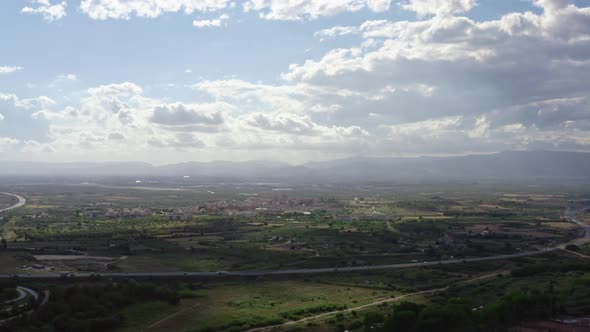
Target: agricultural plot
(255, 227)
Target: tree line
(455, 315)
(90, 307)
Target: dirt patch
(560, 225)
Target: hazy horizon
(159, 163)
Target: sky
(166, 81)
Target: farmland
(251, 227)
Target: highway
(570, 215)
(21, 201)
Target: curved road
(21, 301)
(570, 215)
(21, 201)
(22, 293)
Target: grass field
(241, 306)
(10, 262)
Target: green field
(242, 306)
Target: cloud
(297, 10)
(50, 12)
(41, 102)
(552, 5)
(17, 121)
(290, 98)
(439, 7)
(120, 102)
(181, 117)
(282, 122)
(9, 69)
(181, 141)
(494, 60)
(8, 144)
(125, 89)
(63, 79)
(443, 83)
(116, 137)
(125, 9)
(217, 22)
(68, 77)
(337, 31)
(522, 71)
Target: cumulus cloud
(292, 10)
(337, 31)
(50, 12)
(181, 117)
(296, 10)
(509, 81)
(439, 7)
(288, 123)
(461, 54)
(125, 9)
(41, 102)
(216, 22)
(125, 89)
(291, 98)
(18, 122)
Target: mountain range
(510, 165)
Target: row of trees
(455, 315)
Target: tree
(404, 320)
(371, 319)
